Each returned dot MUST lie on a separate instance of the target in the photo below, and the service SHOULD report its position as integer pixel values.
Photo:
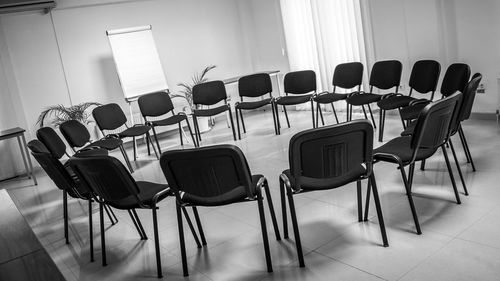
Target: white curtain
(320, 34)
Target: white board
(137, 61)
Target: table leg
(24, 148)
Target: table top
(236, 78)
(11, 132)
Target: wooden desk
(21, 140)
(22, 257)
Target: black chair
(327, 158)
(254, 86)
(207, 94)
(78, 138)
(51, 142)
(111, 184)
(431, 132)
(455, 79)
(111, 117)
(423, 79)
(215, 176)
(347, 76)
(158, 104)
(384, 76)
(300, 87)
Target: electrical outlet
(481, 89)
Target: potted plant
(61, 113)
(187, 94)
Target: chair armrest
(286, 180)
(159, 194)
(419, 101)
(391, 95)
(112, 136)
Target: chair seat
(211, 111)
(400, 147)
(169, 120)
(147, 191)
(409, 129)
(237, 194)
(310, 184)
(253, 104)
(134, 131)
(412, 112)
(293, 99)
(107, 143)
(362, 99)
(330, 97)
(394, 102)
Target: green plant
(62, 113)
(187, 88)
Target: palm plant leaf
(187, 88)
(60, 113)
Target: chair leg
(135, 149)
(274, 119)
(108, 212)
(197, 130)
(191, 134)
(379, 210)
(283, 209)
(180, 134)
(410, 199)
(367, 202)
(347, 111)
(364, 112)
(371, 114)
(157, 243)
(422, 165)
(278, 125)
(91, 232)
(125, 156)
(103, 238)
(148, 137)
(200, 228)
(139, 224)
(147, 145)
(411, 173)
(467, 148)
(402, 120)
(320, 115)
(452, 178)
(242, 121)
(312, 112)
(65, 216)
(463, 145)
(232, 124)
(317, 116)
(156, 139)
(360, 204)
(135, 224)
(381, 125)
(271, 210)
(335, 113)
(286, 116)
(458, 167)
(264, 231)
(191, 227)
(238, 124)
(350, 112)
(293, 215)
(181, 240)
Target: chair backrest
(155, 104)
(51, 141)
(468, 100)
(255, 85)
(300, 82)
(348, 75)
(424, 76)
(75, 133)
(51, 165)
(207, 171)
(331, 156)
(209, 93)
(456, 77)
(433, 124)
(386, 74)
(107, 178)
(109, 116)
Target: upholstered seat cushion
(172, 120)
(234, 195)
(364, 98)
(329, 97)
(412, 112)
(400, 147)
(211, 111)
(134, 131)
(147, 191)
(106, 143)
(394, 102)
(293, 99)
(253, 104)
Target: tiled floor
(459, 242)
